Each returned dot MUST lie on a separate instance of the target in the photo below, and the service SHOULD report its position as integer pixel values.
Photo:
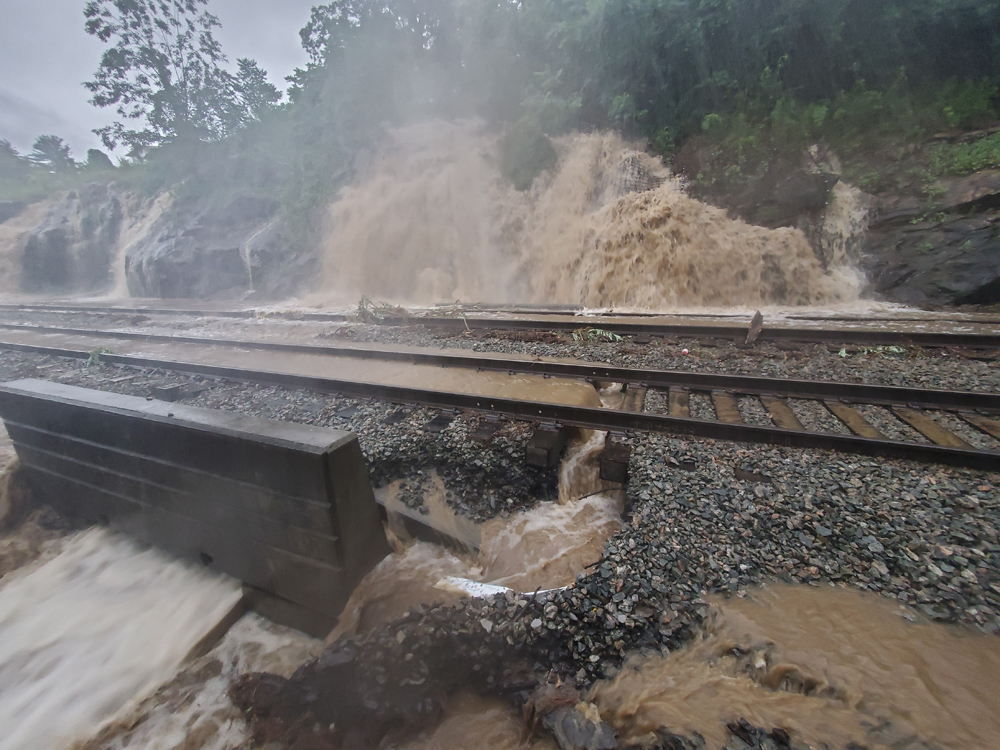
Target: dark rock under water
(940, 255)
(213, 252)
(74, 249)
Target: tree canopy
(52, 154)
(164, 74)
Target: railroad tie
(726, 409)
(853, 419)
(635, 399)
(929, 428)
(781, 413)
(990, 426)
(680, 403)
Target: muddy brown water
(829, 665)
(608, 226)
(476, 722)
(826, 664)
(542, 548)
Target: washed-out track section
(960, 428)
(981, 333)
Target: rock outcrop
(75, 246)
(101, 237)
(936, 247)
(944, 254)
(789, 193)
(213, 253)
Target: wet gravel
(967, 432)
(816, 417)
(482, 479)
(700, 406)
(754, 412)
(926, 535)
(894, 428)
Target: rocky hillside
(927, 243)
(939, 252)
(104, 239)
(922, 234)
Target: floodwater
(830, 666)
(542, 548)
(86, 634)
(475, 722)
(86, 638)
(192, 711)
(827, 665)
(430, 220)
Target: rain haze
(45, 56)
(505, 374)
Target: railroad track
(916, 411)
(460, 320)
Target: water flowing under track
(548, 392)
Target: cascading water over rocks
(429, 218)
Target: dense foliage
(164, 74)
(736, 82)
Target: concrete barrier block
(286, 508)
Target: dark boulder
(949, 260)
(580, 728)
(942, 256)
(787, 196)
(46, 265)
(75, 247)
(276, 270)
(190, 253)
(788, 193)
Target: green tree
(50, 153)
(13, 166)
(164, 74)
(98, 161)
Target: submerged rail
(978, 410)
(533, 319)
(743, 384)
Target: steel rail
(577, 416)
(463, 322)
(582, 311)
(738, 332)
(745, 384)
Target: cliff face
(214, 252)
(105, 239)
(67, 244)
(942, 253)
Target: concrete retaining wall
(286, 508)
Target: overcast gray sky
(45, 56)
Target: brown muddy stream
(831, 666)
(543, 548)
(827, 665)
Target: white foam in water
(193, 710)
(89, 633)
